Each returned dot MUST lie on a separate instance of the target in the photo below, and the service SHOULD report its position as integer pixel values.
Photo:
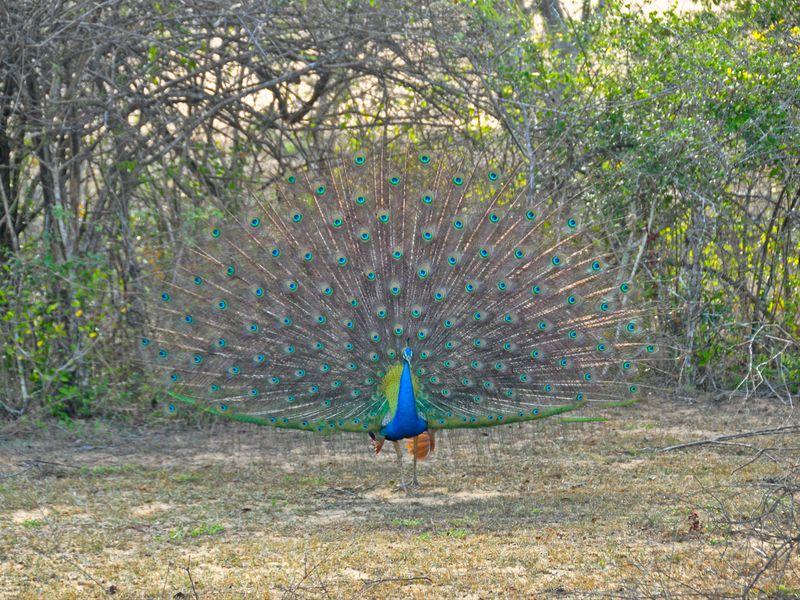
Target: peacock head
(407, 354)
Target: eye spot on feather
(255, 222)
(321, 189)
(215, 233)
(424, 159)
(492, 176)
(394, 180)
(458, 181)
(530, 215)
(291, 179)
(360, 158)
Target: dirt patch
(536, 510)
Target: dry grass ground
(545, 509)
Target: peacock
(396, 291)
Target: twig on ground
(720, 439)
(188, 569)
(370, 582)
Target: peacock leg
(399, 453)
(414, 481)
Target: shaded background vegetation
(124, 123)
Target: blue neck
(406, 422)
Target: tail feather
(291, 311)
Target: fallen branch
(721, 439)
(370, 582)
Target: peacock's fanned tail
(292, 311)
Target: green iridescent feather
(294, 310)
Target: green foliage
(54, 316)
(683, 129)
